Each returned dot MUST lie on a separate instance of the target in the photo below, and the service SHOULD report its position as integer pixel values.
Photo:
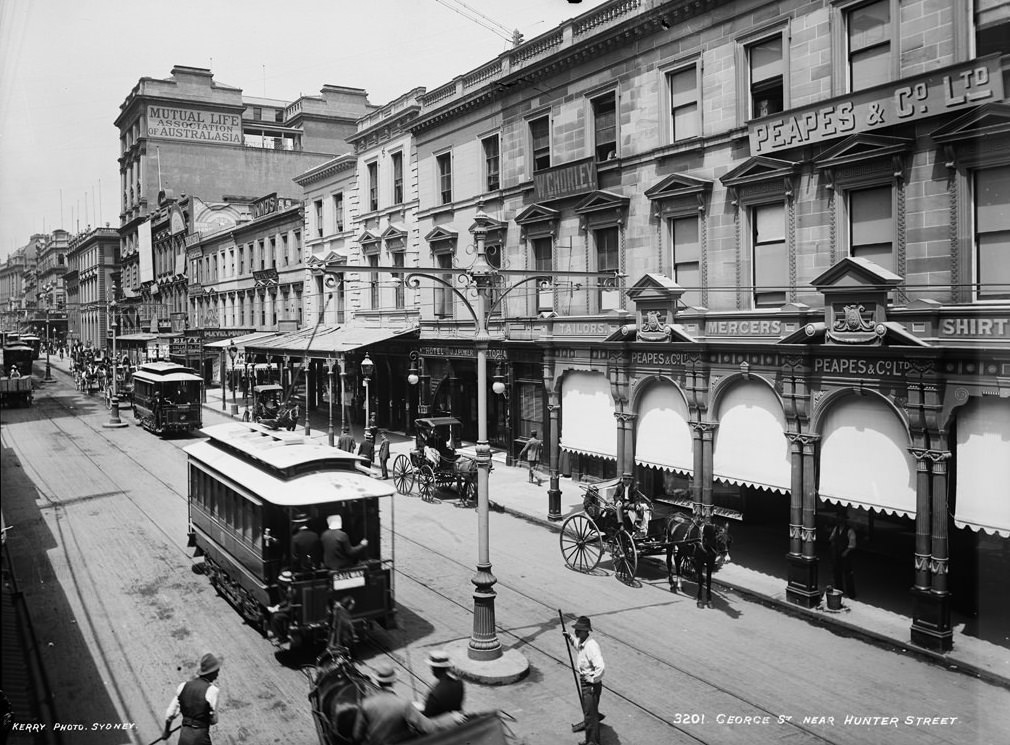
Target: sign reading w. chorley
(950, 89)
(192, 124)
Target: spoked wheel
(625, 557)
(403, 474)
(581, 543)
(426, 482)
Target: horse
(705, 544)
(338, 689)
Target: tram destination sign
(950, 89)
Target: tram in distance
(35, 342)
(167, 398)
(250, 488)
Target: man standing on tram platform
(306, 548)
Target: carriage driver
(633, 510)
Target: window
(871, 225)
(540, 141)
(373, 186)
(338, 212)
(443, 295)
(241, 260)
(397, 178)
(992, 27)
(992, 233)
(319, 216)
(284, 248)
(543, 262)
(492, 163)
(257, 113)
(273, 251)
(869, 44)
(443, 163)
(771, 266)
(766, 68)
(607, 295)
(373, 281)
(263, 255)
(685, 120)
(685, 259)
(605, 126)
(398, 279)
(279, 115)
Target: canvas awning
(663, 439)
(240, 341)
(587, 415)
(983, 467)
(750, 444)
(327, 342)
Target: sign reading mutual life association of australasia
(951, 89)
(180, 123)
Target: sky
(67, 65)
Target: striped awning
(587, 415)
(982, 492)
(663, 437)
(750, 447)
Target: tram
(248, 484)
(16, 384)
(35, 342)
(167, 398)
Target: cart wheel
(625, 557)
(581, 543)
(426, 483)
(403, 474)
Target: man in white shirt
(590, 666)
(196, 700)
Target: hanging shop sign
(950, 89)
(178, 123)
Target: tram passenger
(386, 719)
(306, 548)
(15, 373)
(338, 553)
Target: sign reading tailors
(566, 180)
(950, 89)
(179, 123)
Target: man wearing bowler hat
(385, 718)
(196, 700)
(447, 693)
(590, 668)
(306, 548)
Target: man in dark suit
(338, 553)
(306, 548)
(447, 693)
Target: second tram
(249, 488)
(167, 398)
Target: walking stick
(171, 732)
(571, 660)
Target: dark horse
(705, 544)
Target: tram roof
(297, 471)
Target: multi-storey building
(796, 290)
(50, 316)
(187, 134)
(92, 262)
(13, 303)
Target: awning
(865, 460)
(750, 444)
(136, 337)
(663, 436)
(328, 341)
(240, 341)
(983, 467)
(587, 415)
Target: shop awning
(865, 460)
(750, 444)
(240, 341)
(587, 415)
(327, 342)
(983, 467)
(663, 436)
(135, 337)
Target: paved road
(100, 546)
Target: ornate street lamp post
(367, 368)
(114, 420)
(232, 352)
(329, 398)
(346, 439)
(417, 375)
(49, 373)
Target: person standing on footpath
(590, 666)
(531, 453)
(196, 700)
(384, 453)
(843, 543)
(367, 449)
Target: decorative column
(931, 626)
(702, 485)
(802, 588)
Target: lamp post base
(509, 667)
(114, 421)
(233, 409)
(554, 500)
(49, 374)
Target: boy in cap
(447, 693)
(196, 700)
(590, 667)
(384, 718)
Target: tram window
(255, 525)
(229, 507)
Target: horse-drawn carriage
(434, 463)
(124, 387)
(619, 519)
(270, 407)
(338, 688)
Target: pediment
(602, 200)
(854, 273)
(758, 169)
(393, 232)
(988, 120)
(537, 213)
(321, 261)
(862, 147)
(441, 234)
(654, 288)
(678, 185)
(367, 236)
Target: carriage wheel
(581, 543)
(403, 474)
(625, 557)
(426, 483)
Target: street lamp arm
(536, 278)
(413, 280)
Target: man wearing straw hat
(196, 700)
(590, 666)
(386, 719)
(447, 693)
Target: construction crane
(457, 6)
